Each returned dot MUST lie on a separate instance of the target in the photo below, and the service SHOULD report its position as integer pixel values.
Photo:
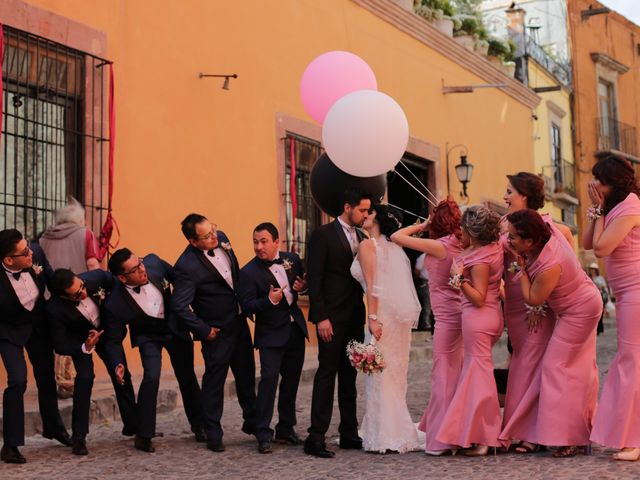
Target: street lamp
(464, 170)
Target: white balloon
(365, 133)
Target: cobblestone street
(179, 456)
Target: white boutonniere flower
(164, 284)
(101, 294)
(287, 264)
(225, 245)
(37, 268)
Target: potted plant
(439, 13)
(465, 34)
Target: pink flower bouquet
(365, 358)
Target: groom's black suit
(335, 295)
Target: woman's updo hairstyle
(481, 223)
(531, 186)
(389, 220)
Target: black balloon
(328, 183)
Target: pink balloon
(330, 77)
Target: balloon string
(406, 211)
(419, 181)
(413, 186)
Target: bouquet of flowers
(365, 358)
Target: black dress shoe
(62, 436)
(264, 447)
(79, 446)
(290, 438)
(216, 446)
(317, 449)
(198, 431)
(351, 443)
(11, 455)
(249, 428)
(143, 444)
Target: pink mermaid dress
(473, 415)
(568, 372)
(521, 401)
(447, 342)
(617, 423)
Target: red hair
(445, 219)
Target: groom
(337, 310)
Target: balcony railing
(560, 70)
(615, 135)
(559, 178)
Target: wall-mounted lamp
(225, 84)
(464, 170)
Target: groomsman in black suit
(23, 324)
(76, 322)
(337, 310)
(270, 285)
(205, 298)
(141, 299)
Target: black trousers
(40, 352)
(332, 360)
(82, 386)
(181, 355)
(285, 362)
(125, 397)
(232, 349)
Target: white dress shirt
(280, 273)
(149, 299)
(91, 312)
(352, 236)
(222, 263)
(25, 288)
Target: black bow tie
(16, 275)
(137, 288)
(277, 261)
(211, 253)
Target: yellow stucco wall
(539, 77)
(184, 144)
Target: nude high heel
(627, 454)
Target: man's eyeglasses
(25, 253)
(78, 294)
(135, 269)
(211, 234)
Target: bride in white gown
(384, 271)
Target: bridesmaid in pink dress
(615, 235)
(551, 274)
(443, 245)
(529, 340)
(472, 418)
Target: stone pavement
(179, 456)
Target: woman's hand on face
(594, 194)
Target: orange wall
(184, 144)
(617, 37)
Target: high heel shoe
(478, 451)
(440, 453)
(572, 451)
(627, 454)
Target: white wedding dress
(387, 424)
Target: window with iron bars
(54, 141)
(307, 216)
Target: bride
(384, 271)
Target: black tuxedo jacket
(201, 297)
(333, 292)
(272, 321)
(16, 322)
(69, 328)
(121, 309)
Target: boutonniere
(164, 284)
(287, 264)
(225, 246)
(101, 294)
(37, 268)
(514, 267)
